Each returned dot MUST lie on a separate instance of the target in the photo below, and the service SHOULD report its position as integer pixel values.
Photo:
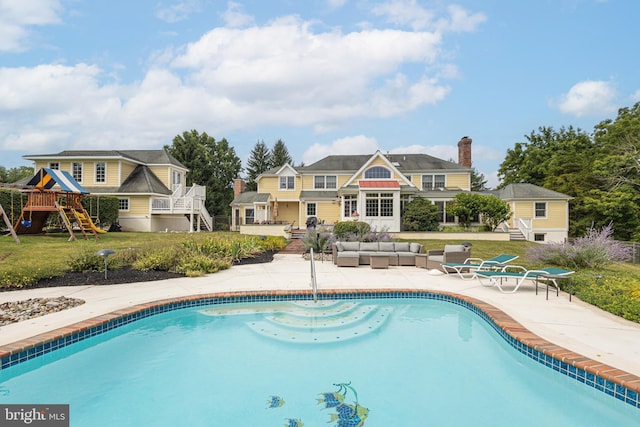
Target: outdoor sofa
(353, 254)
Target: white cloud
(17, 17)
(281, 74)
(411, 13)
(636, 96)
(589, 98)
(336, 4)
(358, 144)
(234, 16)
(178, 11)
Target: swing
(25, 223)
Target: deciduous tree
(211, 163)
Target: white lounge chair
(471, 265)
(520, 275)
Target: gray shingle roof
(528, 191)
(148, 157)
(403, 162)
(142, 180)
(310, 194)
(251, 197)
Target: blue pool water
(405, 362)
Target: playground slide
(96, 229)
(86, 218)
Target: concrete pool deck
(574, 325)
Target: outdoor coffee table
(379, 261)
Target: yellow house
(374, 189)
(150, 186)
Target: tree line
(600, 170)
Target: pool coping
(612, 381)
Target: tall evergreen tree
(478, 181)
(211, 163)
(280, 155)
(260, 160)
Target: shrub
(160, 259)
(421, 214)
(595, 250)
(350, 230)
(320, 241)
(86, 260)
(199, 265)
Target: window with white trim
(540, 210)
(76, 171)
(123, 204)
(287, 183)
(377, 172)
(54, 166)
(350, 205)
(312, 209)
(321, 182)
(432, 182)
(250, 216)
(538, 237)
(379, 204)
(101, 172)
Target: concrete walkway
(574, 325)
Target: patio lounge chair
(520, 275)
(471, 265)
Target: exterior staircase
(516, 234)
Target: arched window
(377, 172)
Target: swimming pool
(408, 361)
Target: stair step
(323, 335)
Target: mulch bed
(126, 275)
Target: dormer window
(377, 172)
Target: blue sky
(325, 76)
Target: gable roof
(524, 191)
(46, 178)
(148, 157)
(142, 180)
(402, 162)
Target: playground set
(43, 200)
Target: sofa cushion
(402, 246)
(351, 246)
(369, 246)
(453, 248)
(339, 246)
(414, 247)
(437, 258)
(387, 246)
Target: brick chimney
(464, 152)
(238, 187)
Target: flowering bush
(596, 249)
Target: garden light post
(105, 254)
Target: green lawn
(615, 288)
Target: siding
(162, 172)
(461, 180)
(556, 216)
(271, 185)
(138, 205)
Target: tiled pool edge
(615, 382)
